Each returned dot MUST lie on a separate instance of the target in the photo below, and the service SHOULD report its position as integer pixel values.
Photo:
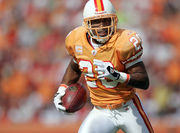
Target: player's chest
(85, 56)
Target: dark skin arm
(139, 77)
(72, 74)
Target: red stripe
(102, 5)
(128, 78)
(142, 109)
(89, 40)
(143, 114)
(95, 2)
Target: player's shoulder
(76, 33)
(125, 34)
(128, 45)
(127, 39)
(73, 37)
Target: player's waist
(108, 100)
(113, 106)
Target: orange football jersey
(123, 48)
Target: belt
(110, 106)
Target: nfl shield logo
(94, 52)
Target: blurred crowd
(33, 58)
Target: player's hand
(106, 71)
(58, 98)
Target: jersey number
(135, 40)
(87, 67)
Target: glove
(105, 70)
(57, 97)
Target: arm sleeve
(131, 51)
(69, 41)
(69, 44)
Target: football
(74, 98)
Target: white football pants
(130, 118)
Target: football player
(110, 60)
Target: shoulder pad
(72, 37)
(129, 46)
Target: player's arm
(71, 76)
(138, 76)
(130, 54)
(72, 73)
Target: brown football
(74, 98)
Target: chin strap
(102, 40)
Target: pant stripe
(138, 105)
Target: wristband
(62, 88)
(119, 76)
(124, 77)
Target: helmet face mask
(101, 25)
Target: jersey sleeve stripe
(127, 65)
(134, 57)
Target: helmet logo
(102, 12)
(99, 6)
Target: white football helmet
(100, 9)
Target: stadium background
(33, 60)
